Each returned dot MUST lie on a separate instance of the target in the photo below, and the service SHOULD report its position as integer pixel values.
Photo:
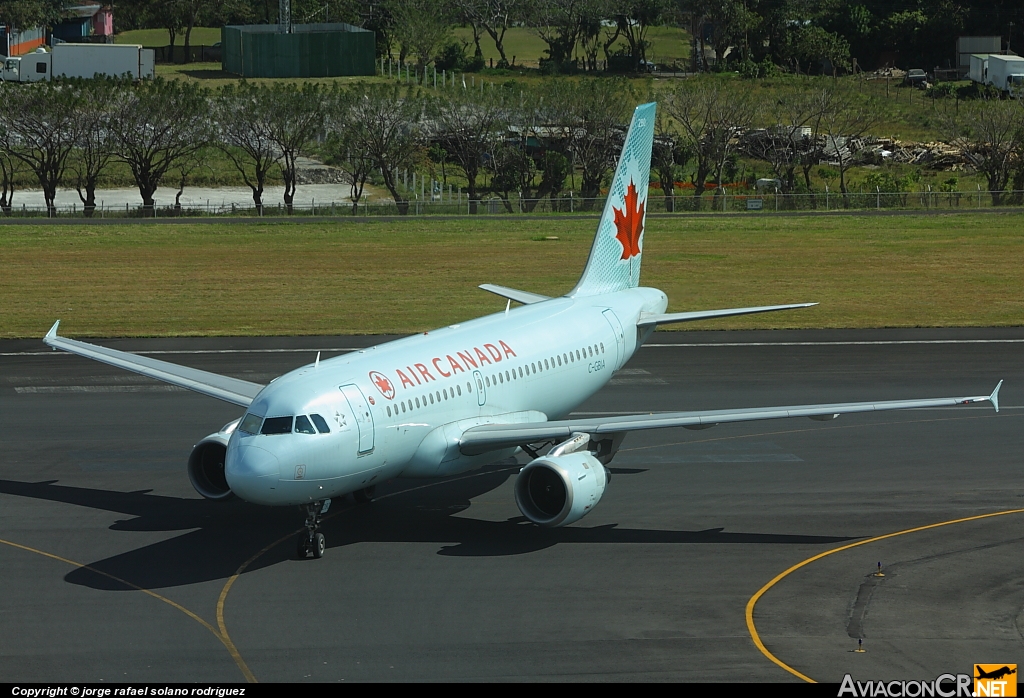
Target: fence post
(878, 198)
(979, 196)
(826, 197)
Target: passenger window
(459, 388)
(321, 424)
(546, 367)
(520, 371)
(303, 425)
(403, 408)
(431, 398)
(438, 396)
(389, 410)
(487, 381)
(469, 387)
(277, 425)
(251, 424)
(446, 393)
(417, 403)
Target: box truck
(1006, 73)
(81, 61)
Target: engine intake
(206, 467)
(560, 490)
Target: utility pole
(284, 16)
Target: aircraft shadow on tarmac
(222, 535)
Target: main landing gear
(365, 495)
(313, 541)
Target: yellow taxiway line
(760, 592)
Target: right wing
(490, 437)
(647, 320)
(231, 390)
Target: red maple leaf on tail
(629, 223)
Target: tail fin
(614, 262)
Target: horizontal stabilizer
(233, 390)
(524, 297)
(492, 437)
(668, 318)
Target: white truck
(81, 61)
(1006, 73)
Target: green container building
(308, 51)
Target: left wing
(231, 390)
(494, 436)
(649, 319)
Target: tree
(594, 114)
(468, 123)
(39, 126)
(93, 146)
(667, 156)
(633, 19)
(558, 23)
(295, 117)
(8, 171)
(156, 124)
(243, 115)
(420, 27)
(783, 143)
(392, 144)
(25, 14)
(711, 115)
(494, 17)
(845, 116)
(348, 142)
(990, 132)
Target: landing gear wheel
(365, 495)
(313, 541)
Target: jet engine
(206, 464)
(559, 490)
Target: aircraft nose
(252, 473)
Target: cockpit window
(321, 424)
(302, 425)
(251, 424)
(277, 425)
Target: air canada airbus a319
(444, 402)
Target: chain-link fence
(722, 201)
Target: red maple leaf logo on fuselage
(629, 223)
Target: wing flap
(667, 318)
(524, 297)
(233, 390)
(490, 437)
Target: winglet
(52, 333)
(994, 397)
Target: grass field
(358, 277)
(201, 36)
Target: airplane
(995, 674)
(444, 402)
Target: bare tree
(711, 115)
(93, 147)
(39, 126)
(348, 142)
(789, 119)
(667, 156)
(494, 17)
(156, 124)
(243, 115)
(846, 115)
(467, 124)
(990, 132)
(295, 117)
(8, 171)
(391, 141)
(558, 23)
(594, 114)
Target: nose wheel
(312, 541)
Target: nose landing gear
(312, 541)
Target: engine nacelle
(206, 464)
(560, 490)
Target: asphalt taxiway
(114, 569)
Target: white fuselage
(399, 409)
